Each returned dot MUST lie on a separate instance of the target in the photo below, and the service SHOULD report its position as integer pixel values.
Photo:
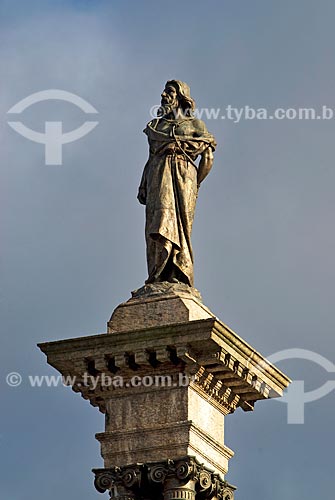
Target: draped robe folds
(170, 184)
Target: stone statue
(170, 184)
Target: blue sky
(72, 242)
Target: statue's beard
(167, 108)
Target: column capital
(184, 479)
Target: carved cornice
(226, 370)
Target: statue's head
(177, 96)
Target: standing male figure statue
(170, 183)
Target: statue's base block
(159, 304)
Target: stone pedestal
(165, 376)
(170, 418)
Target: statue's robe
(170, 184)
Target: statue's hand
(142, 195)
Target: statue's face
(169, 98)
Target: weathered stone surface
(158, 304)
(156, 424)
